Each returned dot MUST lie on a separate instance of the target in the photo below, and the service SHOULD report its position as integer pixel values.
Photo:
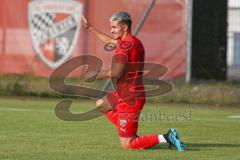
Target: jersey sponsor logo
(54, 27)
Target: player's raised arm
(103, 37)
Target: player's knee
(99, 103)
(103, 105)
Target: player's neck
(126, 34)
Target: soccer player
(123, 106)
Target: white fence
(233, 55)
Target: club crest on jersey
(123, 123)
(54, 27)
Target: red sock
(113, 117)
(144, 142)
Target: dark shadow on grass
(202, 146)
(160, 146)
(209, 145)
(166, 147)
(196, 146)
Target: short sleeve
(122, 52)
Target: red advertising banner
(24, 49)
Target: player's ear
(125, 27)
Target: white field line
(24, 110)
(234, 117)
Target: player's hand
(90, 76)
(85, 23)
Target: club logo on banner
(54, 27)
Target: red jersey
(130, 85)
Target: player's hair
(122, 17)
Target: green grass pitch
(29, 130)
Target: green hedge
(218, 93)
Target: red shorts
(127, 115)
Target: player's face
(118, 30)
